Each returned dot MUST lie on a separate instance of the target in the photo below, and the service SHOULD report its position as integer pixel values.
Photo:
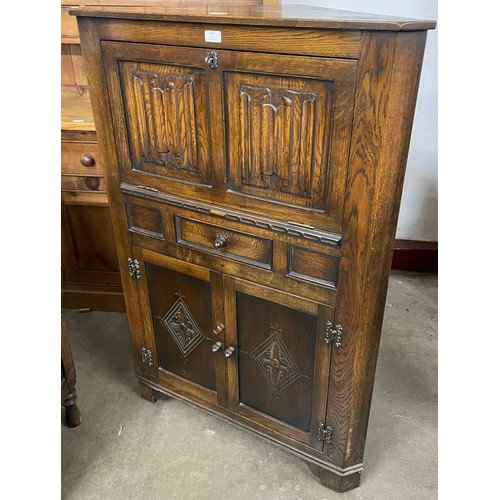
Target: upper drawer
(85, 184)
(80, 158)
(221, 241)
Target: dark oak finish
(280, 374)
(254, 187)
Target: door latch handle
(211, 59)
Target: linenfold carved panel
(166, 104)
(280, 153)
(273, 122)
(165, 119)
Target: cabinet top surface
(302, 16)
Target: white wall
(418, 218)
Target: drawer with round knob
(219, 240)
(83, 183)
(80, 158)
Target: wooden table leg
(72, 415)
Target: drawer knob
(217, 347)
(220, 242)
(229, 352)
(92, 183)
(87, 160)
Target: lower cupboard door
(180, 304)
(278, 373)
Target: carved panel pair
(282, 124)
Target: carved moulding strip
(289, 228)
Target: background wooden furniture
(89, 262)
(254, 163)
(90, 271)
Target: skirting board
(416, 256)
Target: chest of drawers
(254, 164)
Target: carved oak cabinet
(254, 163)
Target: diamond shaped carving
(182, 327)
(275, 363)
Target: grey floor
(128, 448)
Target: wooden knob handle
(87, 160)
(92, 183)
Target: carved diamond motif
(275, 363)
(182, 327)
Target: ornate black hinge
(333, 334)
(324, 433)
(133, 268)
(147, 356)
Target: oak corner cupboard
(254, 160)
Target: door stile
(147, 337)
(321, 373)
(231, 341)
(216, 127)
(219, 336)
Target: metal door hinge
(324, 433)
(133, 269)
(147, 356)
(333, 334)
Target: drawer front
(85, 198)
(221, 241)
(86, 184)
(321, 268)
(253, 252)
(80, 158)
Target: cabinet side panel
(385, 101)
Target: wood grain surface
(292, 16)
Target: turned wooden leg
(334, 481)
(72, 415)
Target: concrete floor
(128, 448)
